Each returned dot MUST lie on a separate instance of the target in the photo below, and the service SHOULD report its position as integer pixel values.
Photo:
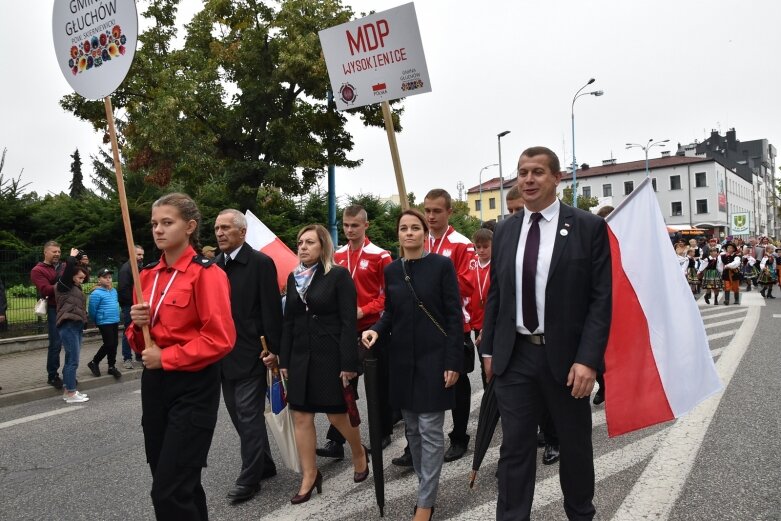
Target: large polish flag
(658, 364)
(264, 240)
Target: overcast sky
(670, 70)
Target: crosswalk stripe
(723, 334)
(724, 323)
(726, 314)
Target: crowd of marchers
(207, 322)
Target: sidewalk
(23, 373)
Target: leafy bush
(21, 291)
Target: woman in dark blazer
(318, 355)
(426, 351)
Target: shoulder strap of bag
(420, 304)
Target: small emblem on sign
(347, 93)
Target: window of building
(700, 180)
(492, 203)
(653, 183)
(607, 190)
(586, 191)
(628, 187)
(675, 182)
(676, 208)
(477, 204)
(702, 206)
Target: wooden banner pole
(131, 246)
(386, 115)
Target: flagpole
(386, 115)
(131, 247)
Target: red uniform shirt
(481, 277)
(366, 266)
(460, 251)
(191, 312)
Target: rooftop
(634, 166)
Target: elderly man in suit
(257, 311)
(546, 326)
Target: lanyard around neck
(481, 285)
(434, 240)
(162, 296)
(357, 261)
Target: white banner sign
(94, 42)
(377, 58)
(740, 223)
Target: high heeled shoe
(430, 516)
(360, 477)
(303, 498)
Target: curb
(40, 393)
(30, 343)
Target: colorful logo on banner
(94, 42)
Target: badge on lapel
(563, 232)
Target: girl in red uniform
(187, 308)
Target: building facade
(694, 192)
(485, 201)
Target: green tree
(243, 104)
(77, 189)
(584, 203)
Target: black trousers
(380, 350)
(463, 390)
(110, 335)
(179, 412)
(521, 391)
(245, 401)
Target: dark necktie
(227, 261)
(529, 275)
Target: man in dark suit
(546, 326)
(257, 311)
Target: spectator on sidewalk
(83, 259)
(71, 317)
(209, 252)
(104, 311)
(125, 294)
(44, 277)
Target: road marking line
(137, 391)
(40, 416)
(724, 322)
(716, 352)
(776, 315)
(726, 314)
(548, 490)
(658, 488)
(716, 336)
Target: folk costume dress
(692, 272)
(731, 273)
(767, 271)
(712, 269)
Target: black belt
(538, 340)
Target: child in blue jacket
(104, 311)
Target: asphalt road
(721, 462)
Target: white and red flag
(658, 364)
(264, 240)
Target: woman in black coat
(423, 315)
(318, 355)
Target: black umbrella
(372, 382)
(486, 425)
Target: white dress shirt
(232, 255)
(548, 224)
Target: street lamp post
(499, 137)
(646, 148)
(574, 161)
(480, 180)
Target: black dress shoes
(455, 451)
(331, 449)
(599, 397)
(550, 455)
(405, 460)
(241, 493)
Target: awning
(676, 228)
